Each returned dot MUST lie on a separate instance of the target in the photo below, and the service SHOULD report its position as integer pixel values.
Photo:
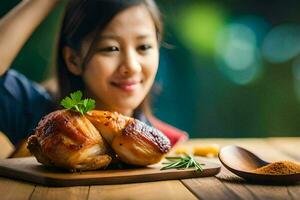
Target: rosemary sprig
(182, 162)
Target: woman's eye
(109, 49)
(144, 47)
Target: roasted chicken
(69, 140)
(133, 141)
(73, 141)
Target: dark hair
(84, 17)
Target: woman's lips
(127, 86)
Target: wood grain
(49, 193)
(269, 192)
(160, 190)
(294, 191)
(209, 188)
(287, 146)
(235, 184)
(11, 189)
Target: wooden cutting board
(29, 169)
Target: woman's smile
(127, 85)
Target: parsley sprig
(74, 102)
(182, 162)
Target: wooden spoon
(242, 163)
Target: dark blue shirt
(23, 103)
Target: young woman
(109, 49)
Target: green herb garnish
(182, 162)
(74, 102)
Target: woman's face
(122, 70)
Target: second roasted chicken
(133, 141)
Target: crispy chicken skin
(67, 139)
(133, 141)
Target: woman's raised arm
(18, 25)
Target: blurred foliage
(220, 77)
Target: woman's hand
(18, 25)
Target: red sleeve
(174, 134)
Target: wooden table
(224, 186)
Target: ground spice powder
(279, 168)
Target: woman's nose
(130, 63)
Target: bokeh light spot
(237, 54)
(198, 26)
(282, 43)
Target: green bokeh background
(194, 94)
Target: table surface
(225, 185)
